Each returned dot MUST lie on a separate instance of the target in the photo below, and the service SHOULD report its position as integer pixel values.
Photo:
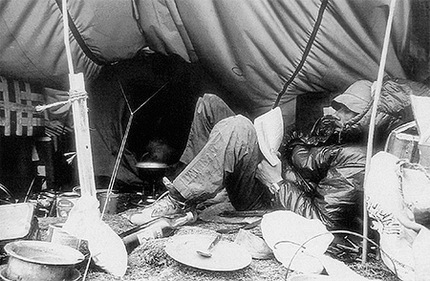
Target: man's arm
(270, 176)
(313, 162)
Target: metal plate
(226, 256)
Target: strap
(403, 164)
(321, 10)
(79, 38)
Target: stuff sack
(397, 195)
(297, 242)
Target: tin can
(45, 204)
(65, 203)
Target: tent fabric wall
(253, 47)
(32, 46)
(250, 47)
(108, 28)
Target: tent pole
(78, 98)
(372, 123)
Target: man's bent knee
(238, 121)
(211, 101)
(238, 124)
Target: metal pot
(40, 260)
(152, 174)
(155, 168)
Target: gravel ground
(149, 261)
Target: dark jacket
(331, 178)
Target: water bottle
(158, 228)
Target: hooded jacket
(324, 171)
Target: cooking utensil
(244, 214)
(207, 253)
(235, 229)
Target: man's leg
(210, 109)
(224, 155)
(228, 160)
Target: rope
(124, 141)
(46, 106)
(117, 163)
(302, 246)
(73, 96)
(321, 10)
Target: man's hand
(269, 174)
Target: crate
(17, 108)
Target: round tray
(226, 256)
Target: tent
(254, 49)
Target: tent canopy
(252, 48)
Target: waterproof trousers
(221, 152)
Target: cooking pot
(40, 260)
(151, 173)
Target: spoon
(207, 253)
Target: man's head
(353, 101)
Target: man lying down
(319, 176)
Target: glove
(326, 128)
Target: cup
(112, 202)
